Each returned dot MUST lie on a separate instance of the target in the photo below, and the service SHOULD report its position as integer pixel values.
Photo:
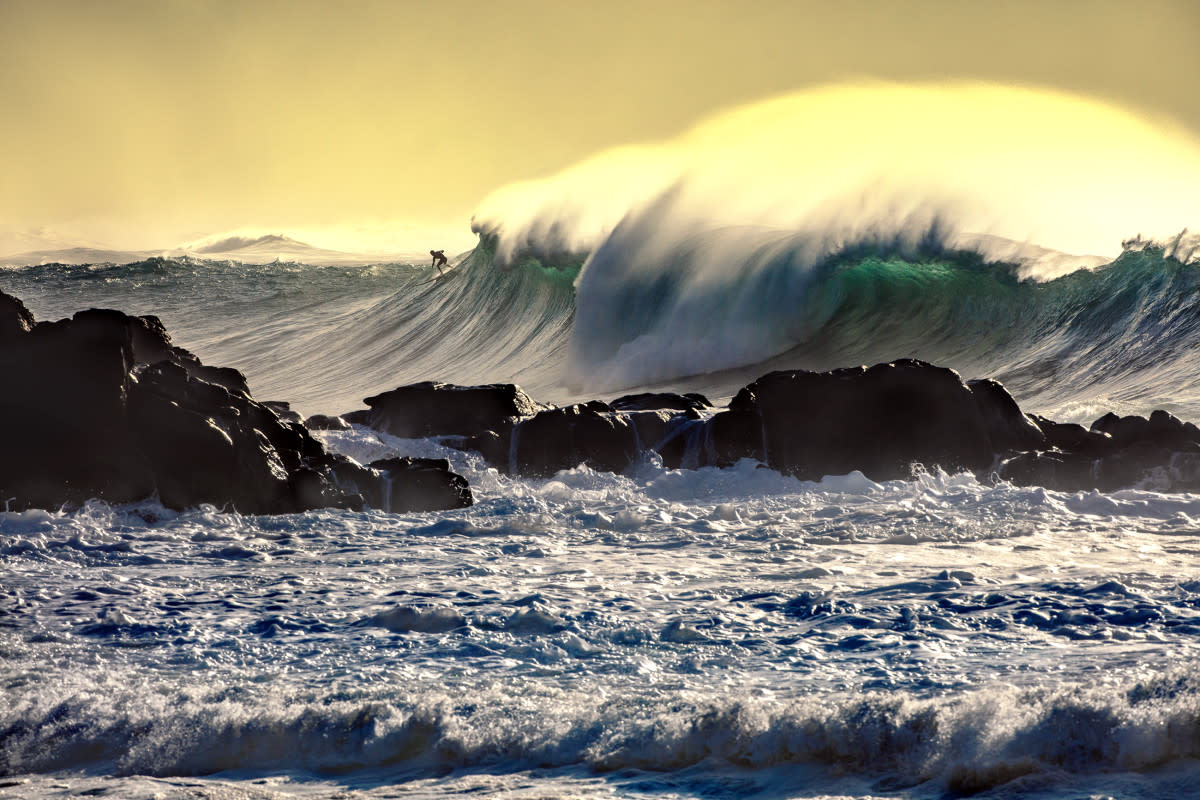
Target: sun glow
(1070, 173)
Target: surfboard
(439, 277)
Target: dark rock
(653, 428)
(688, 446)
(151, 343)
(66, 385)
(283, 410)
(1160, 453)
(1007, 426)
(15, 318)
(1162, 429)
(564, 438)
(1132, 466)
(103, 406)
(1167, 430)
(441, 409)
(882, 421)
(421, 484)
(655, 401)
(207, 444)
(1124, 431)
(494, 447)
(324, 422)
(1062, 471)
(736, 434)
(1073, 438)
(361, 416)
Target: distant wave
(225, 244)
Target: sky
(147, 124)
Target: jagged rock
(324, 422)
(1160, 453)
(1161, 429)
(420, 484)
(563, 438)
(151, 343)
(1062, 471)
(881, 421)
(1072, 437)
(1007, 426)
(655, 428)
(283, 410)
(104, 406)
(442, 409)
(656, 401)
(205, 443)
(361, 416)
(15, 318)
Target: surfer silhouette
(439, 258)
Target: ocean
(710, 633)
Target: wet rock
(1161, 453)
(324, 422)
(1073, 438)
(685, 447)
(283, 410)
(1055, 470)
(1161, 429)
(563, 438)
(881, 421)
(731, 436)
(15, 318)
(441, 409)
(656, 401)
(1007, 426)
(104, 406)
(360, 416)
(419, 484)
(654, 428)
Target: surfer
(439, 258)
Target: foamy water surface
(669, 633)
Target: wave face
(323, 337)
(710, 312)
(742, 301)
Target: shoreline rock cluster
(103, 405)
(885, 421)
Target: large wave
(810, 231)
(737, 302)
(712, 314)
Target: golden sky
(149, 123)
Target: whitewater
(705, 633)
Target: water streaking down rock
(887, 421)
(108, 408)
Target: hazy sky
(151, 122)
